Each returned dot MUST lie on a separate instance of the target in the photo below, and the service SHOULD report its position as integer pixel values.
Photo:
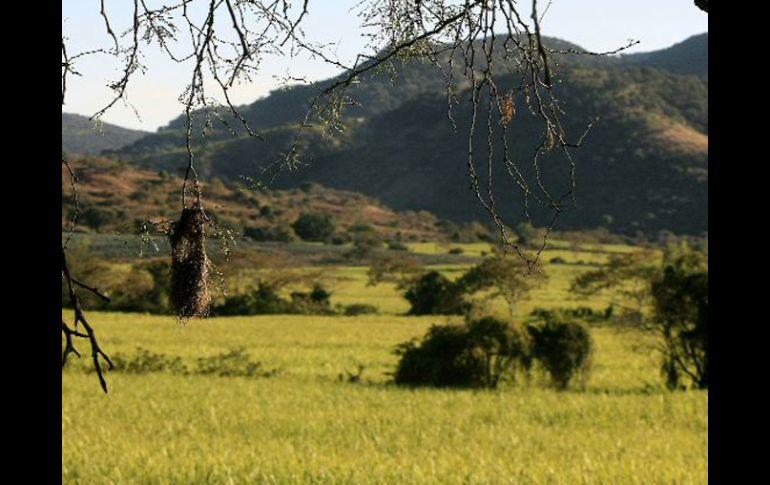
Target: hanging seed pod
(190, 265)
(509, 110)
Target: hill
(687, 57)
(119, 197)
(79, 135)
(644, 166)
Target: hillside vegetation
(644, 165)
(119, 197)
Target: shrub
(263, 300)
(562, 347)
(146, 361)
(434, 294)
(315, 302)
(340, 239)
(234, 363)
(359, 309)
(314, 226)
(279, 233)
(477, 354)
(364, 245)
(440, 360)
(583, 313)
(95, 216)
(266, 211)
(397, 246)
(361, 227)
(456, 251)
(529, 235)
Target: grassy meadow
(308, 423)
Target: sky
(597, 25)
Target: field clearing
(305, 425)
(308, 424)
(348, 284)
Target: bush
(279, 233)
(314, 226)
(266, 211)
(397, 246)
(146, 361)
(434, 294)
(361, 227)
(263, 300)
(340, 239)
(234, 363)
(583, 313)
(456, 251)
(562, 347)
(228, 364)
(96, 216)
(359, 309)
(477, 354)
(313, 303)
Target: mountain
(80, 135)
(687, 57)
(643, 166)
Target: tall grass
(308, 424)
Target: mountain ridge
(82, 136)
(653, 128)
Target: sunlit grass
(305, 424)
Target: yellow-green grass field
(305, 425)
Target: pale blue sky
(597, 25)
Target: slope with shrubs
(117, 196)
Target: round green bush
(563, 348)
(477, 354)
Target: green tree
(435, 294)
(477, 354)
(503, 276)
(674, 294)
(528, 235)
(681, 318)
(402, 270)
(314, 226)
(626, 278)
(562, 347)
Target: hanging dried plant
(190, 265)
